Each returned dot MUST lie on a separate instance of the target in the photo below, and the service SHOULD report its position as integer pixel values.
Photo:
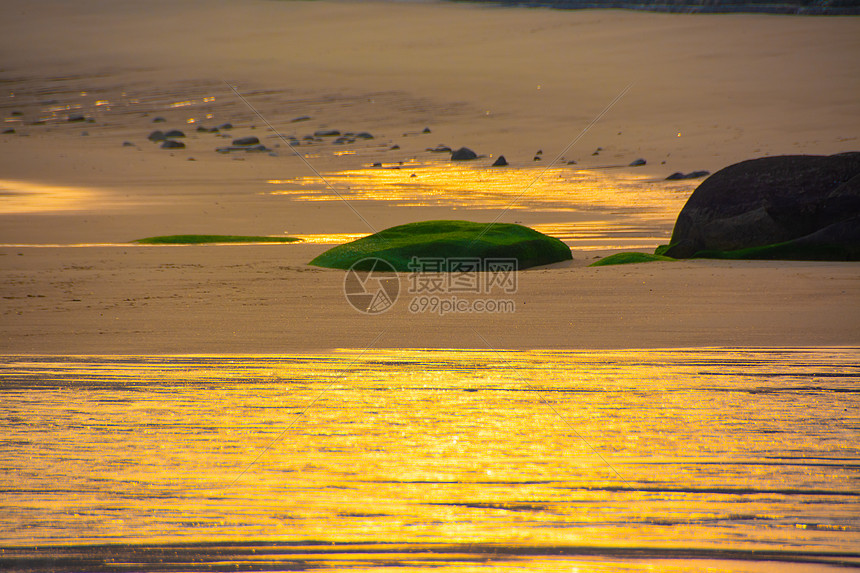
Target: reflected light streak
(470, 187)
(26, 197)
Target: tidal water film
(747, 459)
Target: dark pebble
(440, 149)
(246, 141)
(174, 133)
(301, 118)
(127, 144)
(692, 175)
(326, 133)
(637, 162)
(500, 162)
(377, 164)
(156, 135)
(16, 114)
(393, 147)
(463, 154)
(225, 126)
(170, 144)
(77, 118)
(539, 152)
(426, 130)
(364, 135)
(7, 131)
(158, 120)
(257, 149)
(536, 158)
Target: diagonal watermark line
(340, 375)
(573, 142)
(300, 156)
(551, 407)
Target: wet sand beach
(116, 338)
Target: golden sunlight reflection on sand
(27, 197)
(471, 187)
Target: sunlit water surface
(466, 460)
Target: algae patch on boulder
(448, 240)
(203, 239)
(628, 258)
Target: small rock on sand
(170, 144)
(500, 162)
(156, 135)
(301, 118)
(251, 140)
(326, 133)
(174, 133)
(677, 176)
(463, 154)
(637, 162)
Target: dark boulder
(463, 154)
(500, 162)
(170, 144)
(637, 162)
(174, 133)
(156, 135)
(246, 141)
(808, 201)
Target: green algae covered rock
(626, 258)
(447, 240)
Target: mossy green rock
(626, 258)
(201, 239)
(446, 240)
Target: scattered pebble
(463, 154)
(536, 158)
(170, 144)
(74, 118)
(637, 162)
(392, 148)
(377, 164)
(692, 175)
(158, 120)
(174, 133)
(426, 130)
(251, 140)
(8, 131)
(156, 135)
(440, 149)
(224, 126)
(326, 133)
(500, 162)
(301, 118)
(364, 135)
(127, 144)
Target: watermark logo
(371, 285)
(438, 285)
